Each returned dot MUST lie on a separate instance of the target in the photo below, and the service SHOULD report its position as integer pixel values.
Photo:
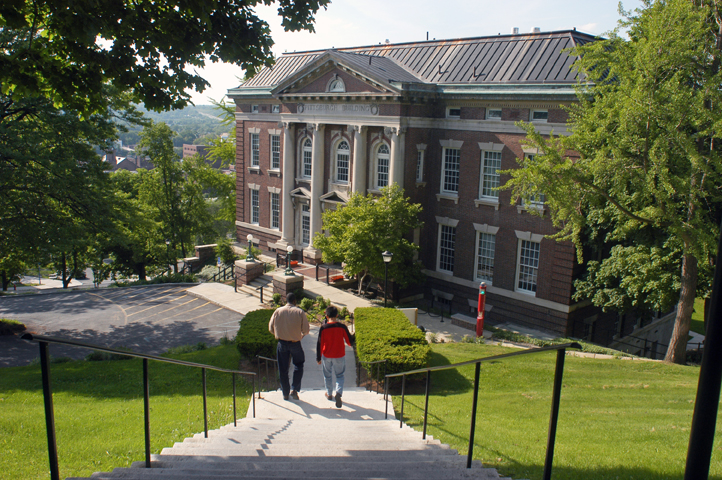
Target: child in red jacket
(331, 353)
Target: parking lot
(145, 319)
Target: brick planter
(246, 272)
(284, 284)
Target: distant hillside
(193, 125)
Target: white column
(316, 179)
(397, 155)
(289, 173)
(358, 183)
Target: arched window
(336, 85)
(306, 156)
(343, 154)
(382, 166)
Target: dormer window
(539, 116)
(336, 85)
(493, 113)
(275, 109)
(453, 112)
(254, 108)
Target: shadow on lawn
(445, 382)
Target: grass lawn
(99, 411)
(619, 419)
(697, 324)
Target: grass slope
(619, 419)
(99, 411)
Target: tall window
(342, 159)
(307, 156)
(255, 151)
(255, 207)
(275, 210)
(447, 243)
(491, 163)
(305, 224)
(527, 266)
(450, 173)
(538, 199)
(420, 166)
(275, 151)
(383, 159)
(485, 246)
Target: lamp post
(289, 270)
(387, 259)
(249, 256)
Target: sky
(348, 23)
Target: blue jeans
(284, 353)
(338, 367)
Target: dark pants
(284, 352)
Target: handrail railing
(43, 342)
(275, 362)
(378, 372)
(224, 273)
(556, 395)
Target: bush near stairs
(385, 333)
(253, 337)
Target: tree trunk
(361, 282)
(677, 350)
(5, 280)
(66, 280)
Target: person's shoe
(328, 397)
(339, 403)
(294, 394)
(285, 397)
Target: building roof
(522, 59)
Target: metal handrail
(556, 395)
(275, 361)
(224, 273)
(43, 342)
(378, 372)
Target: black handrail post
(386, 397)
(146, 411)
(327, 280)
(205, 408)
(261, 288)
(474, 404)
(235, 284)
(259, 376)
(403, 398)
(378, 377)
(317, 272)
(233, 375)
(556, 397)
(49, 414)
(426, 406)
(268, 389)
(253, 394)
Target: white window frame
(540, 111)
(382, 156)
(489, 174)
(255, 206)
(421, 153)
(338, 156)
(447, 225)
(446, 153)
(306, 149)
(274, 199)
(275, 152)
(254, 108)
(529, 269)
(483, 232)
(490, 117)
(305, 219)
(255, 150)
(275, 109)
(449, 113)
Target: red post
(480, 307)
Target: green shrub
(186, 349)
(254, 338)
(10, 327)
(387, 334)
(306, 304)
(97, 356)
(225, 251)
(173, 278)
(277, 299)
(586, 347)
(207, 272)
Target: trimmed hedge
(385, 333)
(253, 337)
(10, 327)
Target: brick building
(436, 117)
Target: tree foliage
(366, 226)
(67, 50)
(641, 167)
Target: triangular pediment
(301, 192)
(342, 74)
(334, 197)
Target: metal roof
(533, 58)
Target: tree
(358, 232)
(67, 50)
(641, 167)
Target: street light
(289, 270)
(387, 259)
(249, 257)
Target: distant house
(202, 150)
(125, 163)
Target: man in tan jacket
(289, 325)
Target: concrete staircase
(265, 281)
(309, 439)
